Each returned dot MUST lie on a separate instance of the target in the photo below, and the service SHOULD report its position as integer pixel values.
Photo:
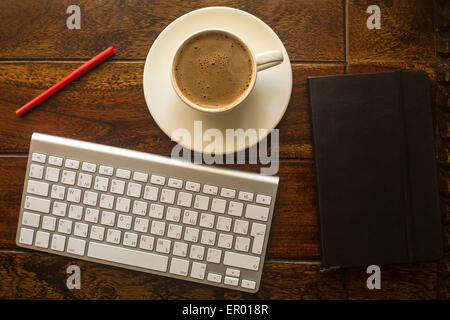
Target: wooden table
(107, 106)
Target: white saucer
(263, 108)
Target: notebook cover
(375, 168)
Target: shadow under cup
(213, 70)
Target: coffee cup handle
(268, 59)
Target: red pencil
(61, 84)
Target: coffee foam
(213, 70)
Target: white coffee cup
(260, 61)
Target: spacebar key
(129, 257)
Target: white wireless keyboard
(146, 212)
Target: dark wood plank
(37, 29)
(35, 275)
(406, 34)
(294, 233)
(401, 281)
(107, 106)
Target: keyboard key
(81, 229)
(72, 164)
(123, 204)
(184, 199)
(155, 179)
(190, 217)
(108, 218)
(208, 189)
(258, 232)
(225, 241)
(146, 242)
(31, 219)
(84, 180)
(201, 202)
(218, 205)
(245, 196)
(106, 201)
(223, 223)
(151, 193)
(179, 266)
(192, 186)
(191, 234)
(240, 226)
(173, 214)
(240, 260)
(97, 233)
(107, 171)
(214, 277)
(242, 244)
(158, 228)
(58, 242)
(228, 193)
(42, 239)
(180, 249)
(90, 198)
(124, 221)
(58, 192)
(37, 204)
(249, 284)
(140, 176)
(130, 239)
(117, 186)
(26, 236)
(235, 208)
(75, 212)
(113, 236)
(233, 272)
(38, 188)
(198, 270)
(174, 231)
(163, 245)
(91, 215)
(48, 223)
(207, 220)
(167, 196)
(101, 183)
(36, 171)
(52, 174)
(214, 255)
(55, 161)
(231, 281)
(156, 211)
(38, 157)
(141, 225)
(208, 237)
(76, 246)
(127, 256)
(257, 212)
(140, 207)
(262, 199)
(68, 177)
(175, 183)
(123, 173)
(89, 167)
(134, 190)
(74, 195)
(65, 226)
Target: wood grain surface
(108, 106)
(322, 37)
(37, 29)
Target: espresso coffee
(213, 69)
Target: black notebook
(375, 166)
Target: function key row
(142, 177)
